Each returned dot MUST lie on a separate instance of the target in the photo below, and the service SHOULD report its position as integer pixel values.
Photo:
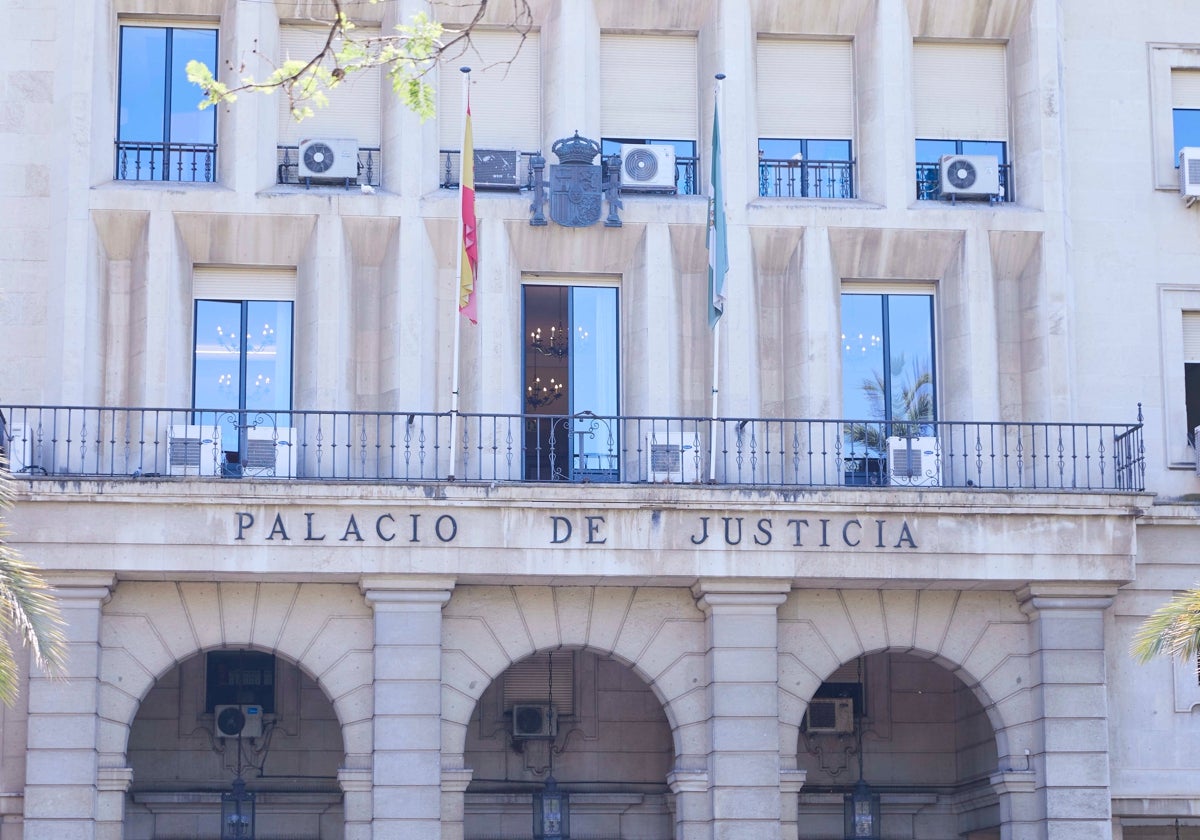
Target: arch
(658, 633)
(150, 627)
(980, 637)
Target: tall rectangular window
(960, 102)
(1185, 109)
(571, 382)
(889, 381)
(805, 118)
(1191, 374)
(162, 135)
(506, 108)
(353, 110)
(242, 368)
(648, 97)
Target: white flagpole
(466, 77)
(712, 443)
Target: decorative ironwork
(929, 183)
(187, 162)
(137, 443)
(805, 178)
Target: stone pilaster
(693, 813)
(454, 784)
(790, 783)
(406, 766)
(743, 663)
(63, 792)
(356, 801)
(1071, 799)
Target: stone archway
(149, 628)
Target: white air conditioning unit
(329, 158)
(670, 460)
(913, 462)
(232, 721)
(534, 722)
(834, 715)
(18, 446)
(970, 176)
(194, 450)
(270, 451)
(1189, 172)
(497, 169)
(648, 168)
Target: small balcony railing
(187, 162)
(929, 183)
(287, 166)
(416, 447)
(495, 169)
(805, 178)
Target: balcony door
(570, 383)
(242, 380)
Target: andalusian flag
(718, 256)
(470, 237)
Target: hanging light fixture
(237, 812)
(862, 805)
(551, 806)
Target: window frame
(169, 27)
(1174, 300)
(1163, 58)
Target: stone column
(1071, 798)
(454, 784)
(356, 802)
(790, 783)
(693, 814)
(406, 768)
(743, 663)
(62, 763)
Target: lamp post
(862, 805)
(551, 813)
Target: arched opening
(923, 740)
(289, 751)
(593, 723)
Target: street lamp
(237, 812)
(551, 813)
(862, 813)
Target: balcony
(287, 166)
(792, 178)
(186, 162)
(495, 169)
(929, 186)
(351, 446)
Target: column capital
(398, 589)
(712, 592)
(688, 781)
(81, 586)
(1035, 597)
(354, 779)
(456, 779)
(114, 778)
(1014, 781)
(790, 781)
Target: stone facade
(970, 641)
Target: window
(242, 368)
(571, 382)
(353, 112)
(162, 135)
(889, 383)
(1191, 373)
(1185, 109)
(240, 678)
(961, 108)
(648, 91)
(505, 108)
(805, 151)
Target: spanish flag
(470, 238)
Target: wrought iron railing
(287, 166)
(495, 169)
(196, 162)
(805, 178)
(929, 183)
(416, 447)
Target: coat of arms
(577, 186)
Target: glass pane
(269, 355)
(594, 372)
(188, 123)
(984, 147)
(217, 346)
(1187, 129)
(863, 378)
(828, 150)
(776, 149)
(544, 390)
(143, 83)
(910, 360)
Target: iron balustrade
(805, 178)
(287, 165)
(583, 448)
(522, 175)
(188, 162)
(929, 182)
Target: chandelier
(555, 344)
(538, 394)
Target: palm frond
(1172, 630)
